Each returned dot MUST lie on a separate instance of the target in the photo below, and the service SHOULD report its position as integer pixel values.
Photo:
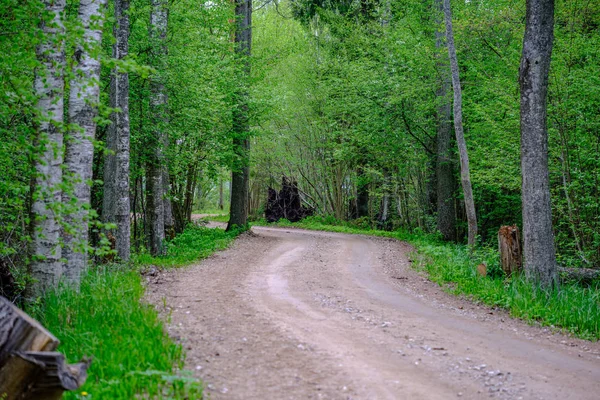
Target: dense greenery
(573, 308)
(108, 322)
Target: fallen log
(580, 275)
(29, 366)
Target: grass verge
(572, 308)
(107, 320)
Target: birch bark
(84, 97)
(46, 266)
(115, 205)
(156, 172)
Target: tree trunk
(115, 205)
(444, 169)
(509, 246)
(46, 265)
(240, 176)
(465, 175)
(84, 97)
(156, 168)
(221, 205)
(538, 238)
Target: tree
(115, 204)
(538, 238)
(444, 165)
(465, 174)
(46, 265)
(240, 176)
(84, 96)
(156, 173)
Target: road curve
(293, 314)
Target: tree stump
(29, 367)
(509, 246)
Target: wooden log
(20, 332)
(29, 368)
(509, 246)
(580, 275)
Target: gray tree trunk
(444, 169)
(115, 205)
(46, 266)
(538, 238)
(156, 172)
(84, 97)
(240, 176)
(465, 175)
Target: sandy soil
(293, 314)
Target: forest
(436, 122)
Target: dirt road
(292, 314)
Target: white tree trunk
(46, 267)
(115, 205)
(465, 174)
(538, 238)
(84, 97)
(156, 167)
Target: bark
(465, 175)
(84, 97)
(509, 246)
(46, 266)
(444, 169)
(156, 169)
(538, 238)
(115, 205)
(240, 176)
(383, 215)
(29, 367)
(221, 206)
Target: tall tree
(538, 238)
(115, 204)
(46, 266)
(465, 175)
(84, 96)
(156, 175)
(240, 175)
(444, 166)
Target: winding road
(294, 314)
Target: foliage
(108, 321)
(572, 308)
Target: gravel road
(293, 314)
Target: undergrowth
(571, 308)
(132, 357)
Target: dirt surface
(293, 314)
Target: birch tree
(156, 175)
(465, 175)
(241, 145)
(84, 96)
(115, 205)
(46, 266)
(538, 238)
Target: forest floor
(293, 314)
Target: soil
(293, 314)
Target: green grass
(572, 308)
(108, 321)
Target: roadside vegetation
(572, 308)
(108, 321)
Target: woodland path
(293, 314)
